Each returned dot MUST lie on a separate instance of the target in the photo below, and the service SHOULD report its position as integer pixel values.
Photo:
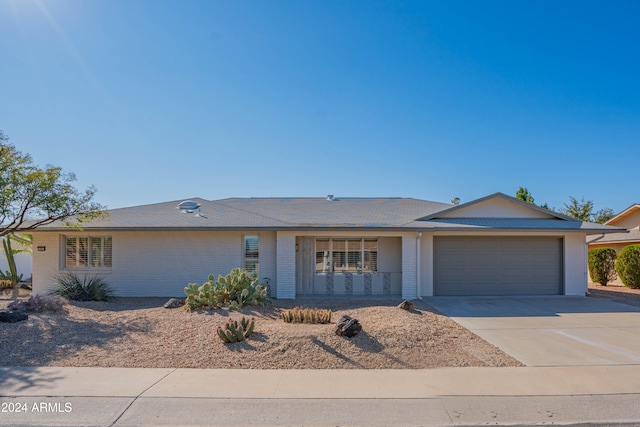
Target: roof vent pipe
(331, 197)
(455, 201)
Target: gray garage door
(498, 266)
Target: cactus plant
(12, 273)
(306, 315)
(236, 332)
(235, 290)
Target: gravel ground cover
(139, 332)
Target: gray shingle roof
(342, 212)
(307, 213)
(270, 213)
(631, 236)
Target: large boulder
(13, 316)
(19, 305)
(348, 326)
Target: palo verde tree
(31, 197)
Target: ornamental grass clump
(235, 290)
(602, 265)
(87, 288)
(628, 266)
(306, 315)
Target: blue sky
(155, 100)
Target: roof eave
(465, 228)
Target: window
(88, 252)
(323, 252)
(339, 255)
(354, 256)
(251, 255)
(370, 255)
(346, 255)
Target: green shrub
(37, 303)
(306, 315)
(235, 290)
(628, 266)
(602, 265)
(235, 332)
(87, 288)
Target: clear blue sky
(153, 101)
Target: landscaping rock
(18, 305)
(174, 303)
(407, 305)
(348, 326)
(13, 316)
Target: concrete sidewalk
(446, 396)
(319, 384)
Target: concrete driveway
(551, 331)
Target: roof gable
(497, 205)
(628, 218)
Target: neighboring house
(341, 247)
(628, 219)
(23, 263)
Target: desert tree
(31, 197)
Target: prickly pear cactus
(235, 290)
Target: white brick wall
(426, 268)
(286, 265)
(150, 263)
(268, 259)
(409, 266)
(45, 263)
(162, 263)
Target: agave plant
(87, 288)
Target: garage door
(498, 266)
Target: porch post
(286, 265)
(409, 267)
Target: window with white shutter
(340, 255)
(252, 255)
(88, 252)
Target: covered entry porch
(348, 265)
